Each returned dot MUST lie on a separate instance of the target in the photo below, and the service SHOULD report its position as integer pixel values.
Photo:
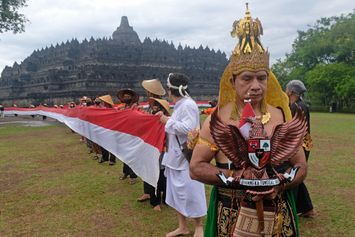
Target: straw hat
(107, 99)
(154, 86)
(135, 96)
(163, 103)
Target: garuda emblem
(260, 152)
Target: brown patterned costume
(229, 202)
(232, 211)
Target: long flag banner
(134, 137)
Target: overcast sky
(189, 22)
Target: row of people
(176, 187)
(254, 172)
(129, 100)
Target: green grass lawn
(50, 186)
(331, 176)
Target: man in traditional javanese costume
(258, 155)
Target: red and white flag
(244, 126)
(132, 136)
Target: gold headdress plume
(250, 55)
(249, 52)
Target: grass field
(50, 186)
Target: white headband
(180, 88)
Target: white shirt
(185, 117)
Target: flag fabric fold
(134, 137)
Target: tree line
(323, 57)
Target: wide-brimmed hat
(107, 99)
(154, 86)
(162, 102)
(135, 96)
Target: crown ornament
(249, 54)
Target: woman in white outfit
(185, 195)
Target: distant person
(157, 196)
(44, 117)
(89, 143)
(213, 103)
(185, 195)
(107, 102)
(153, 89)
(96, 148)
(295, 90)
(32, 107)
(2, 113)
(129, 99)
(72, 105)
(83, 101)
(15, 106)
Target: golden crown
(249, 54)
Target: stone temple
(67, 71)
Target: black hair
(89, 102)
(178, 79)
(160, 108)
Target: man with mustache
(246, 80)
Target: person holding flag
(258, 155)
(107, 102)
(153, 89)
(129, 98)
(2, 114)
(185, 195)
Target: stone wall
(67, 71)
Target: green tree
(332, 82)
(10, 18)
(323, 57)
